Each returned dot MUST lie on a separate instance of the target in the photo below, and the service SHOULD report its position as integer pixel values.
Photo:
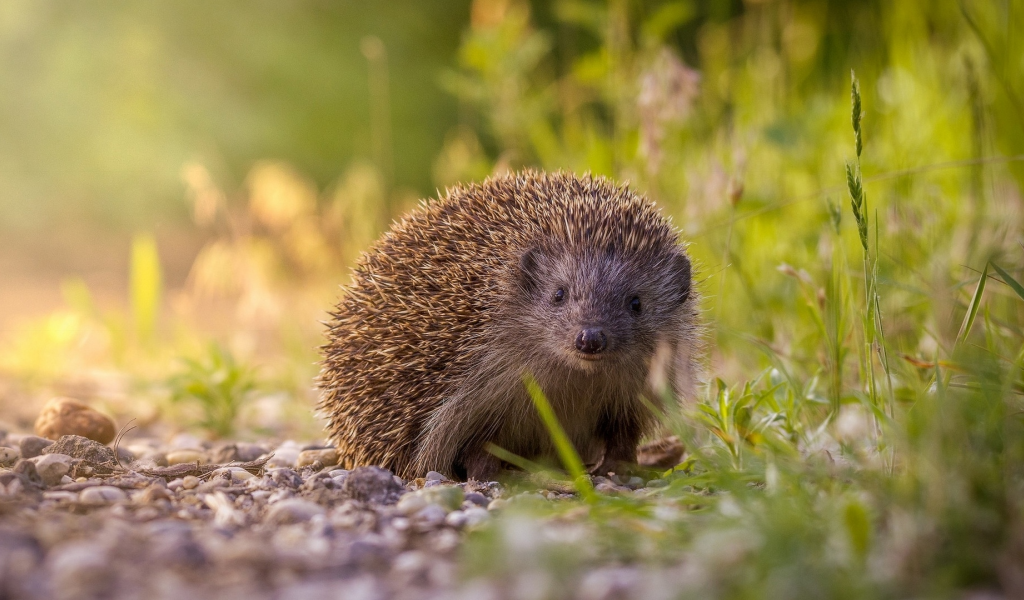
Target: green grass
(862, 436)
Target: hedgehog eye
(634, 305)
(559, 295)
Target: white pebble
(52, 467)
(8, 456)
(411, 503)
(456, 518)
(432, 514)
(237, 473)
(188, 455)
(475, 516)
(293, 510)
(60, 496)
(102, 494)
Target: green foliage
(217, 385)
(815, 478)
(972, 307)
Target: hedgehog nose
(591, 341)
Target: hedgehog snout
(591, 340)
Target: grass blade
(566, 451)
(514, 459)
(972, 308)
(1010, 281)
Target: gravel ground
(189, 520)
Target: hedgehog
(577, 282)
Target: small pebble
(284, 457)
(190, 482)
(326, 456)
(52, 467)
(431, 515)
(448, 497)
(293, 510)
(102, 494)
(33, 445)
(411, 503)
(236, 473)
(475, 516)
(285, 477)
(497, 503)
(187, 455)
(236, 452)
(280, 496)
(456, 518)
(477, 498)
(372, 484)
(435, 476)
(8, 456)
(60, 496)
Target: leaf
(1010, 281)
(858, 527)
(972, 308)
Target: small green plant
(217, 385)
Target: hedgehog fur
(575, 281)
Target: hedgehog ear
(681, 270)
(529, 268)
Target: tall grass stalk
(872, 321)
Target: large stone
(96, 455)
(65, 416)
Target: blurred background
(183, 186)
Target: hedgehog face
(593, 310)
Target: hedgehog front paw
(483, 466)
(612, 466)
